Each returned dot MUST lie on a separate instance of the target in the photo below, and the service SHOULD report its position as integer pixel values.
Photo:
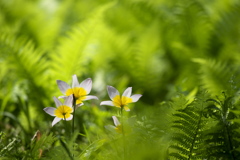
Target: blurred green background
(159, 47)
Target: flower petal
(126, 108)
(127, 92)
(87, 85)
(90, 97)
(112, 92)
(111, 128)
(69, 118)
(75, 82)
(79, 105)
(68, 101)
(63, 86)
(115, 121)
(108, 103)
(56, 120)
(57, 102)
(63, 97)
(50, 110)
(136, 97)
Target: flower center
(78, 92)
(121, 101)
(63, 112)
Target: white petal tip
(107, 103)
(90, 97)
(136, 97)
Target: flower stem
(123, 132)
(74, 108)
(66, 126)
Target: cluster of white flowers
(75, 95)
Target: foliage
(181, 55)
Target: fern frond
(223, 138)
(178, 156)
(72, 55)
(188, 131)
(192, 24)
(25, 65)
(144, 11)
(215, 75)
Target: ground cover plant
(122, 80)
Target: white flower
(117, 128)
(79, 91)
(121, 101)
(63, 111)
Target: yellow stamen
(121, 101)
(117, 101)
(126, 100)
(78, 92)
(63, 112)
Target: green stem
(74, 108)
(66, 126)
(123, 132)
